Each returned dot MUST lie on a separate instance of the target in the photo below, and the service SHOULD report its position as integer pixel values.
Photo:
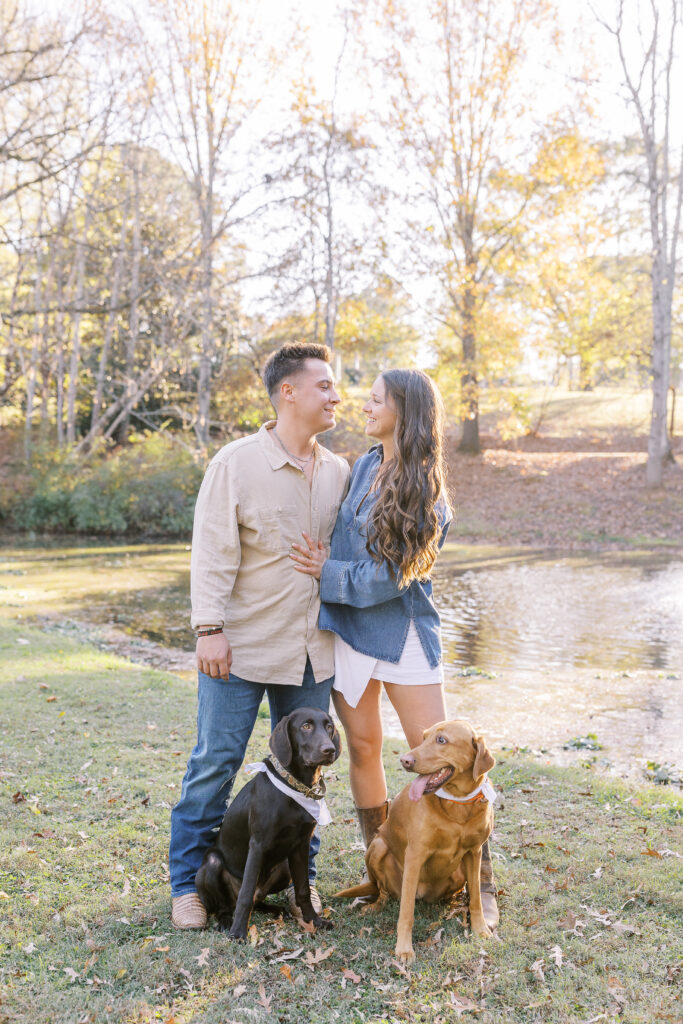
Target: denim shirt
(360, 601)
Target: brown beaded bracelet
(208, 632)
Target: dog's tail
(364, 889)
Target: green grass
(93, 752)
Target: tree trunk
(469, 385)
(134, 316)
(658, 442)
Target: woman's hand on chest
(310, 558)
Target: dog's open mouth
(429, 783)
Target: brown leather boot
(489, 890)
(370, 819)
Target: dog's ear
(280, 743)
(484, 759)
(336, 739)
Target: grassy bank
(93, 754)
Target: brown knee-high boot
(370, 820)
(489, 891)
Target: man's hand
(309, 559)
(214, 655)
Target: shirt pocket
(279, 527)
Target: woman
(376, 592)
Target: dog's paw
(322, 922)
(405, 955)
(237, 936)
(481, 929)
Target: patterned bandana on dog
(484, 791)
(317, 809)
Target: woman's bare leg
(417, 707)
(363, 728)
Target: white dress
(353, 670)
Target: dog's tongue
(418, 787)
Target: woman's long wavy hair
(404, 527)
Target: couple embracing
(275, 614)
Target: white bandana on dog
(317, 809)
(485, 788)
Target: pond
(539, 652)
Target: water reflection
(563, 614)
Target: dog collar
(316, 792)
(484, 791)
(316, 807)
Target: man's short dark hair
(289, 359)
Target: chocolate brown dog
(430, 844)
(264, 839)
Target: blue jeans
(225, 719)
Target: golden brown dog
(430, 844)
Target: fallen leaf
(18, 798)
(673, 973)
(571, 923)
(401, 968)
(287, 971)
(71, 973)
(50, 700)
(597, 873)
(650, 853)
(436, 938)
(30, 948)
(537, 969)
(263, 999)
(253, 935)
(461, 1004)
(203, 957)
(380, 987)
(556, 955)
(350, 975)
(289, 954)
(317, 957)
(239, 991)
(161, 949)
(624, 929)
(601, 916)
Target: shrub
(148, 487)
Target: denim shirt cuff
(332, 580)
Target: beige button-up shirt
(252, 506)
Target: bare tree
(204, 97)
(648, 81)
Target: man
(255, 618)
